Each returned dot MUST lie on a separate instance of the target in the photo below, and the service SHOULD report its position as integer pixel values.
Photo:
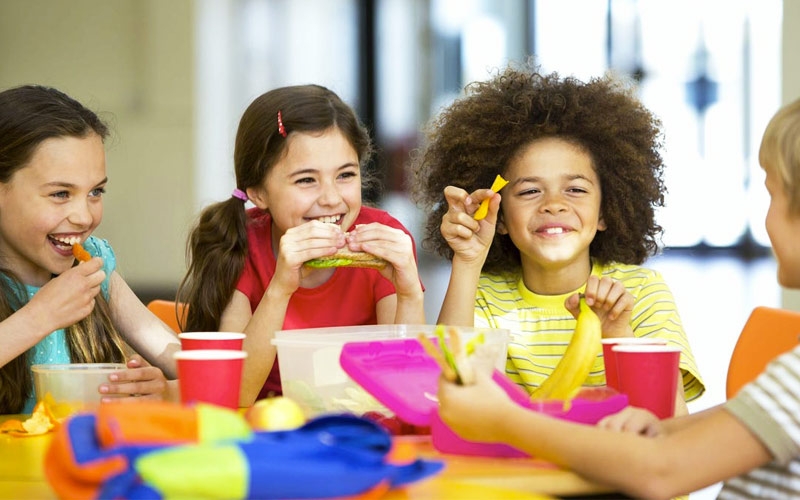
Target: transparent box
(312, 376)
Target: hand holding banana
(572, 369)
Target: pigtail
(216, 252)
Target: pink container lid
(402, 376)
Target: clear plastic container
(312, 376)
(74, 387)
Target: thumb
(573, 304)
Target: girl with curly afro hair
(576, 218)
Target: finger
(456, 197)
(609, 423)
(590, 290)
(494, 209)
(572, 303)
(602, 294)
(621, 306)
(138, 387)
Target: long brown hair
(217, 246)
(29, 115)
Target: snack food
(483, 209)
(80, 253)
(347, 258)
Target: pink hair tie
(238, 193)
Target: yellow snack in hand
(483, 209)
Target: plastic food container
(312, 376)
(74, 387)
(403, 377)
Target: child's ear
(258, 197)
(601, 224)
(501, 225)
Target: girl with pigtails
(299, 157)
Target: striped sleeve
(770, 409)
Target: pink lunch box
(402, 376)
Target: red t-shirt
(347, 298)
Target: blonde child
(577, 217)
(299, 158)
(751, 442)
(52, 180)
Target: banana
(573, 368)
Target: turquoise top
(53, 348)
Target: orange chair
(767, 333)
(168, 312)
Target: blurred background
(173, 77)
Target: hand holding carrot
(80, 253)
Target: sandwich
(348, 258)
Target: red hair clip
(281, 128)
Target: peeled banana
(572, 369)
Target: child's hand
(300, 244)
(392, 245)
(473, 411)
(612, 303)
(69, 297)
(140, 380)
(633, 420)
(470, 239)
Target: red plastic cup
(648, 375)
(610, 359)
(211, 340)
(210, 376)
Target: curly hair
(475, 138)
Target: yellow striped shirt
(541, 327)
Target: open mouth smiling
(64, 243)
(552, 230)
(330, 219)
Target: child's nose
(329, 195)
(81, 214)
(553, 202)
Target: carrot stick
(80, 253)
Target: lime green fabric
(196, 471)
(215, 423)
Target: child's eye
(348, 175)
(97, 192)
(528, 192)
(305, 180)
(61, 195)
(577, 190)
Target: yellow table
(22, 477)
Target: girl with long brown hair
(54, 309)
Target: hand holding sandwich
(396, 248)
(380, 247)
